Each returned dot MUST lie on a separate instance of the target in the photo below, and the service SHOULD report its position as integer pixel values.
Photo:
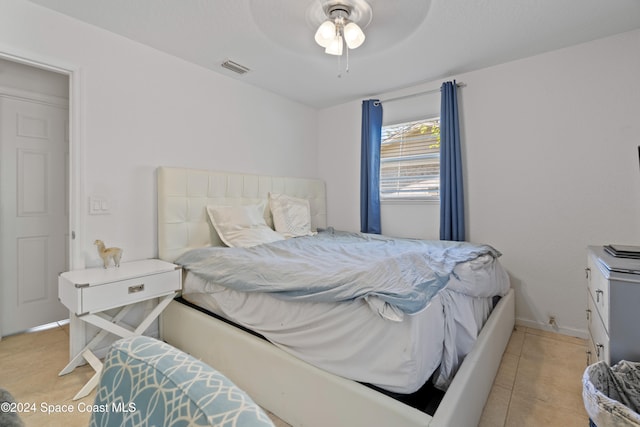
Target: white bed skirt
(303, 395)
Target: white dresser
(613, 307)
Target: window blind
(410, 161)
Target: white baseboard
(580, 333)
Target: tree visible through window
(410, 161)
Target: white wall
(27, 78)
(550, 144)
(142, 108)
(550, 147)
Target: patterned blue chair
(146, 382)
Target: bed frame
(297, 392)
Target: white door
(34, 212)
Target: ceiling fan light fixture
(326, 33)
(335, 47)
(353, 35)
(342, 22)
(340, 26)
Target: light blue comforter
(337, 266)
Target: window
(410, 161)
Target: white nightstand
(88, 293)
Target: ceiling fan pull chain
(347, 67)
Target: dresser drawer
(116, 294)
(599, 339)
(592, 353)
(598, 286)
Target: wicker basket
(612, 394)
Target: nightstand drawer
(98, 289)
(111, 295)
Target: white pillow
(291, 215)
(242, 226)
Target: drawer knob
(136, 288)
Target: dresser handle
(598, 348)
(587, 271)
(588, 358)
(588, 314)
(137, 288)
(598, 293)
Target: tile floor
(29, 366)
(539, 381)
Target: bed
(296, 379)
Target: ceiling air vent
(235, 67)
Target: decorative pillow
(242, 226)
(291, 215)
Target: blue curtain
(452, 225)
(370, 166)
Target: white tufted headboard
(183, 195)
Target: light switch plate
(98, 205)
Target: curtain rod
(417, 94)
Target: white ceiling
(408, 41)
